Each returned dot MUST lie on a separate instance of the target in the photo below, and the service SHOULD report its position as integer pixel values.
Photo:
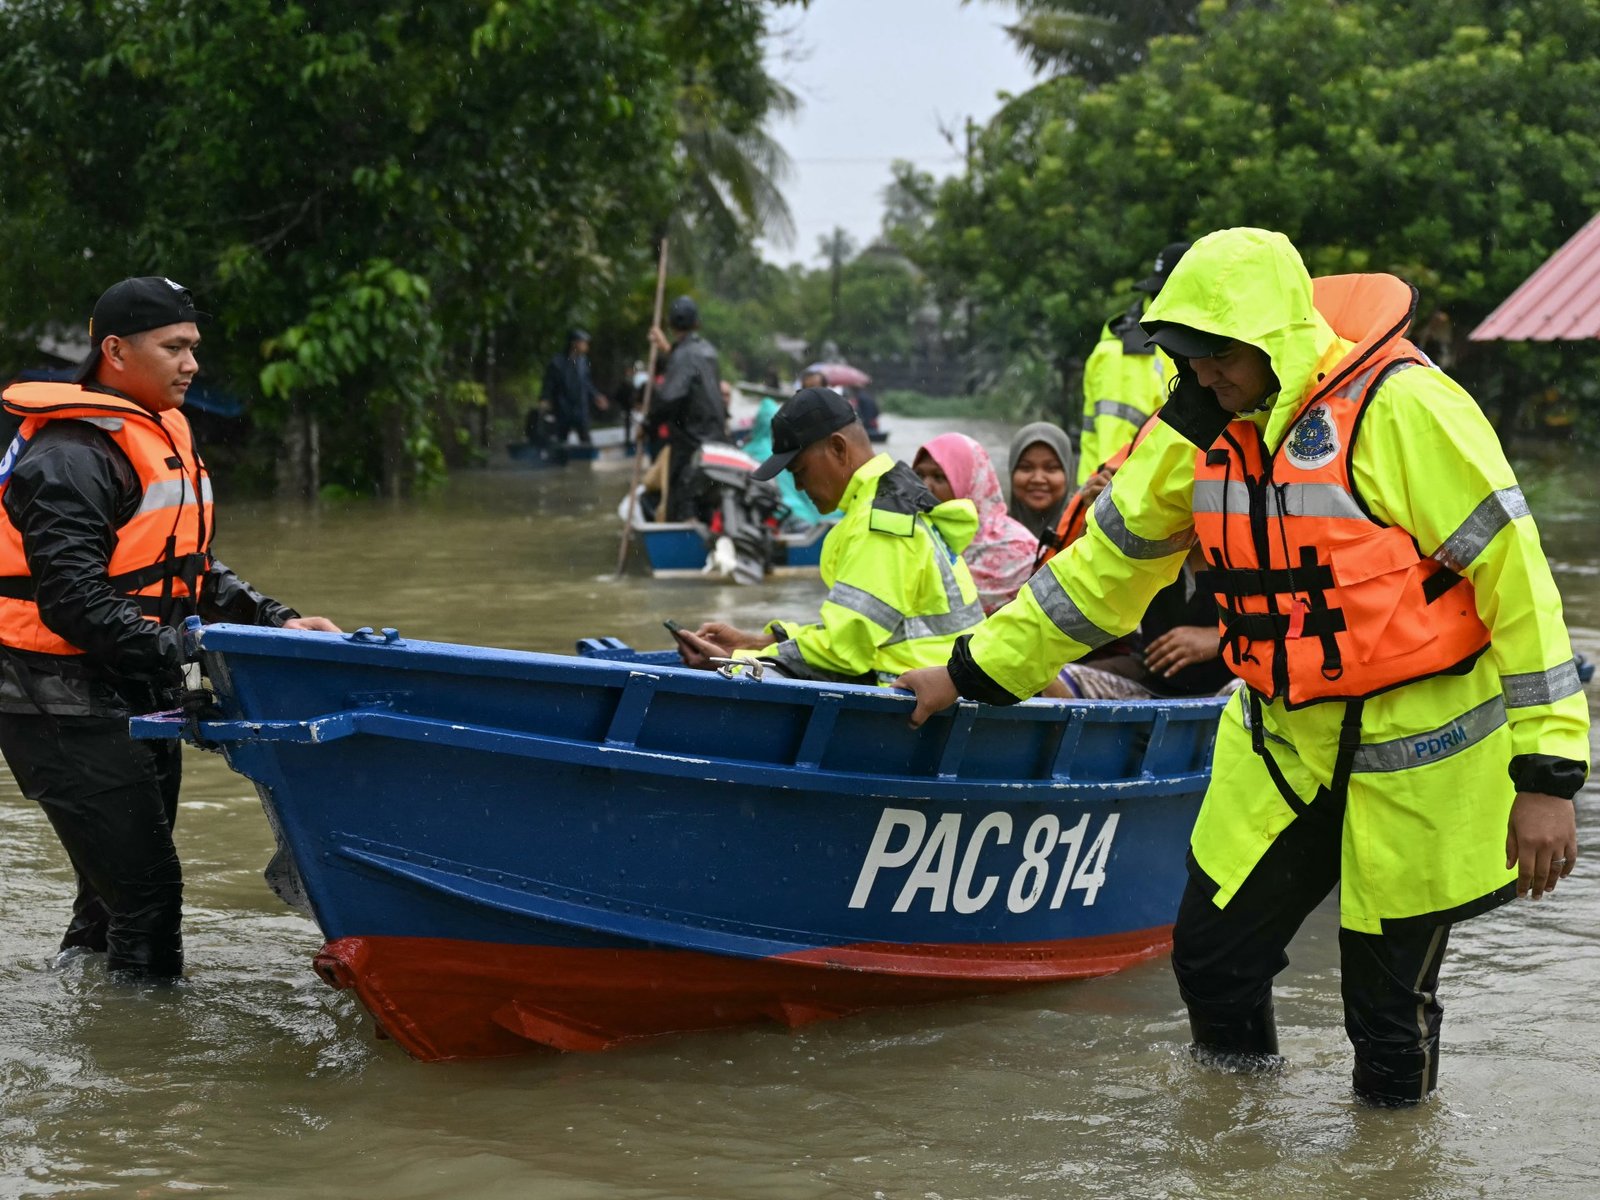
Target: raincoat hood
(956, 521)
(1251, 286)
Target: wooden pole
(649, 388)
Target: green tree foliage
(375, 196)
(1454, 142)
(866, 310)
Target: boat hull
(443, 999)
(509, 850)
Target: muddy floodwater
(253, 1079)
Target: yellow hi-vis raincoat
(1440, 759)
(1124, 381)
(899, 593)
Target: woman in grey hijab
(1040, 471)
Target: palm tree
(1096, 40)
(734, 169)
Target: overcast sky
(876, 80)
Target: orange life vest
(1318, 599)
(162, 551)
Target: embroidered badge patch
(1312, 440)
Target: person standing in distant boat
(688, 402)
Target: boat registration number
(944, 867)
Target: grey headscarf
(1056, 438)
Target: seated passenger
(1041, 464)
(802, 513)
(898, 592)
(1001, 555)
(1176, 651)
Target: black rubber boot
(1244, 1042)
(1396, 1080)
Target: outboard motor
(740, 508)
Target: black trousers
(572, 418)
(112, 801)
(1225, 960)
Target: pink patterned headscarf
(1001, 554)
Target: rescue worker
(105, 548)
(1413, 727)
(688, 402)
(898, 591)
(1124, 380)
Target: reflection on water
(253, 1079)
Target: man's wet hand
(934, 689)
(696, 651)
(319, 624)
(1541, 842)
(730, 639)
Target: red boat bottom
(447, 999)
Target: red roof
(1560, 302)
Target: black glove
(1192, 411)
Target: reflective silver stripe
(1244, 715)
(962, 617)
(1478, 530)
(968, 616)
(1115, 408)
(170, 493)
(1353, 387)
(946, 560)
(1541, 687)
(109, 424)
(789, 655)
(1297, 499)
(866, 604)
(1420, 749)
(1109, 517)
(1066, 615)
(1214, 496)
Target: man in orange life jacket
(104, 550)
(1413, 729)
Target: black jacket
(68, 494)
(690, 399)
(567, 384)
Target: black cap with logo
(808, 416)
(1165, 261)
(133, 306)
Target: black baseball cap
(578, 334)
(683, 313)
(1165, 261)
(808, 416)
(133, 306)
(1185, 341)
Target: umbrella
(842, 374)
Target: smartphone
(674, 628)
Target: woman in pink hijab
(1001, 555)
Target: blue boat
(506, 850)
(678, 549)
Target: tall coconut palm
(1096, 40)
